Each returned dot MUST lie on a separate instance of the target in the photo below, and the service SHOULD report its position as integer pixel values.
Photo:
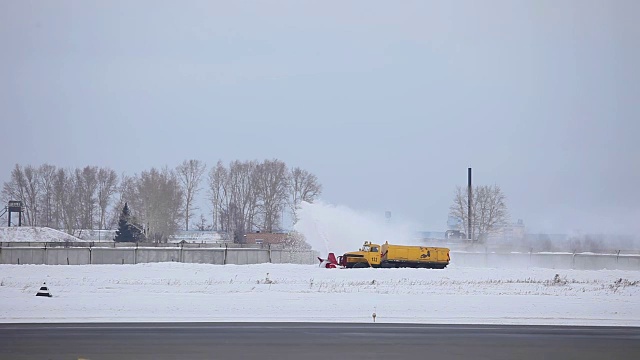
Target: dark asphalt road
(310, 341)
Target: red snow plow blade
(330, 262)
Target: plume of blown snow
(336, 228)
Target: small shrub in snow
(622, 283)
(266, 280)
(557, 281)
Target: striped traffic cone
(44, 291)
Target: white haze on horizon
(339, 229)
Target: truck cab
(367, 256)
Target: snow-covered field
(270, 292)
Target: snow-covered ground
(270, 292)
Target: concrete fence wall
(547, 260)
(149, 255)
(101, 255)
(204, 256)
(243, 256)
(64, 256)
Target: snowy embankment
(270, 292)
(35, 234)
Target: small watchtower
(13, 207)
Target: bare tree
(68, 199)
(241, 211)
(86, 186)
(15, 188)
(218, 194)
(488, 212)
(271, 185)
(107, 185)
(24, 186)
(161, 200)
(303, 186)
(59, 180)
(189, 173)
(47, 177)
(32, 177)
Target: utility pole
(470, 199)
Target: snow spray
(331, 228)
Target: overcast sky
(387, 102)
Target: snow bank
(269, 292)
(34, 234)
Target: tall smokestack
(470, 198)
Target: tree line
(244, 196)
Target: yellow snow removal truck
(394, 256)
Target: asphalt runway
(310, 341)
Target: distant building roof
(200, 237)
(265, 238)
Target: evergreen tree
(128, 230)
(124, 233)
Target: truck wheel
(360, 265)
